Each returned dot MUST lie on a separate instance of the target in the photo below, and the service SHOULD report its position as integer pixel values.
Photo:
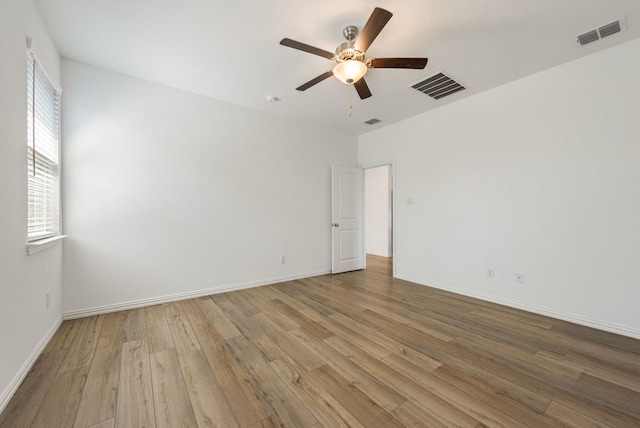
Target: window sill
(43, 244)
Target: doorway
(379, 216)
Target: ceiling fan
(351, 65)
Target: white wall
(378, 210)
(167, 193)
(25, 322)
(539, 176)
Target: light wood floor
(358, 349)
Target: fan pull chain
(350, 108)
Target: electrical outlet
(48, 298)
(520, 278)
(491, 272)
(283, 259)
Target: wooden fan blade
(378, 19)
(315, 81)
(417, 63)
(306, 48)
(362, 88)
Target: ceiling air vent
(589, 37)
(438, 86)
(609, 29)
(372, 121)
(602, 32)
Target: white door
(347, 219)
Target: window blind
(43, 135)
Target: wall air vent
(602, 32)
(372, 121)
(438, 86)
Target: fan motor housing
(346, 51)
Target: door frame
(392, 165)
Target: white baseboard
(98, 310)
(15, 383)
(576, 319)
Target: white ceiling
(229, 49)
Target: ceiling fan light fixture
(350, 71)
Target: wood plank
(428, 402)
(271, 292)
(598, 338)
(604, 372)
(609, 394)
(135, 325)
(24, 405)
(297, 290)
(227, 306)
(158, 332)
(201, 324)
(210, 406)
(113, 326)
(276, 317)
(135, 320)
(360, 379)
(303, 321)
(269, 386)
(60, 405)
(100, 395)
(245, 405)
(111, 423)
(567, 397)
(595, 411)
(182, 334)
(494, 384)
(80, 352)
(613, 358)
(247, 308)
(244, 401)
(374, 335)
(432, 327)
(218, 319)
(410, 415)
(170, 397)
(552, 372)
(466, 402)
(366, 411)
(340, 330)
(268, 348)
(571, 417)
(331, 297)
(270, 422)
(294, 349)
(495, 406)
(373, 319)
(135, 398)
(325, 408)
(430, 346)
(65, 335)
(604, 369)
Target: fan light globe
(350, 71)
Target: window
(43, 166)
